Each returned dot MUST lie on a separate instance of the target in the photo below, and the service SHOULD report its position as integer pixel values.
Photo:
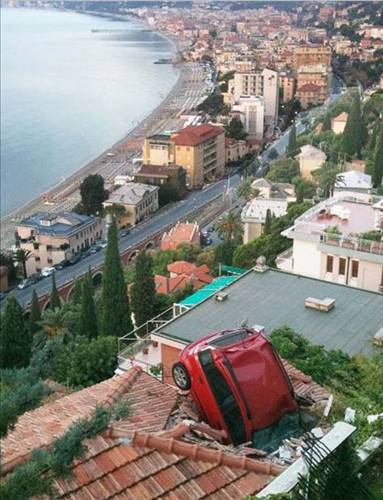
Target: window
(50, 260)
(354, 268)
(224, 397)
(37, 259)
(342, 266)
(329, 264)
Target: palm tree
(53, 322)
(245, 189)
(327, 177)
(22, 256)
(230, 228)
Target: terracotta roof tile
(194, 135)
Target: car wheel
(181, 377)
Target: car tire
(181, 376)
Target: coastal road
(138, 234)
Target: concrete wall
(169, 356)
(306, 258)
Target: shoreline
(63, 189)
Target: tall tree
(230, 228)
(55, 302)
(268, 221)
(53, 322)
(327, 177)
(15, 341)
(88, 319)
(22, 256)
(354, 135)
(93, 194)
(377, 174)
(235, 129)
(34, 315)
(77, 292)
(327, 122)
(292, 149)
(143, 290)
(116, 318)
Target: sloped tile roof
(194, 135)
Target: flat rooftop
(275, 298)
(349, 216)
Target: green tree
(292, 149)
(15, 341)
(303, 188)
(283, 170)
(235, 129)
(377, 174)
(85, 362)
(88, 318)
(354, 135)
(223, 253)
(22, 256)
(327, 122)
(230, 227)
(55, 301)
(187, 251)
(143, 290)
(93, 194)
(77, 292)
(245, 189)
(7, 261)
(268, 222)
(116, 318)
(53, 322)
(327, 177)
(34, 315)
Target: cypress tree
(144, 290)
(354, 135)
(377, 174)
(35, 315)
(292, 145)
(77, 292)
(267, 224)
(116, 318)
(326, 123)
(15, 341)
(55, 297)
(88, 319)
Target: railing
(357, 244)
(134, 341)
(285, 260)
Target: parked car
(24, 284)
(95, 249)
(47, 271)
(61, 265)
(85, 253)
(103, 244)
(237, 382)
(125, 233)
(74, 259)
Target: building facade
(162, 175)
(53, 238)
(310, 159)
(331, 241)
(138, 200)
(312, 54)
(250, 110)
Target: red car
(237, 381)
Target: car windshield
(229, 337)
(224, 398)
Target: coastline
(130, 142)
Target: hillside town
(200, 313)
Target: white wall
(306, 258)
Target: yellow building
(317, 54)
(338, 123)
(287, 84)
(310, 159)
(158, 150)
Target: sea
(71, 86)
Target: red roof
(192, 136)
(309, 87)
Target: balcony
(351, 243)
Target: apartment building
(163, 175)
(312, 54)
(139, 201)
(259, 84)
(235, 150)
(287, 84)
(312, 85)
(339, 240)
(200, 151)
(158, 150)
(52, 238)
(250, 110)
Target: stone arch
(150, 245)
(69, 294)
(26, 314)
(133, 255)
(46, 305)
(97, 278)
